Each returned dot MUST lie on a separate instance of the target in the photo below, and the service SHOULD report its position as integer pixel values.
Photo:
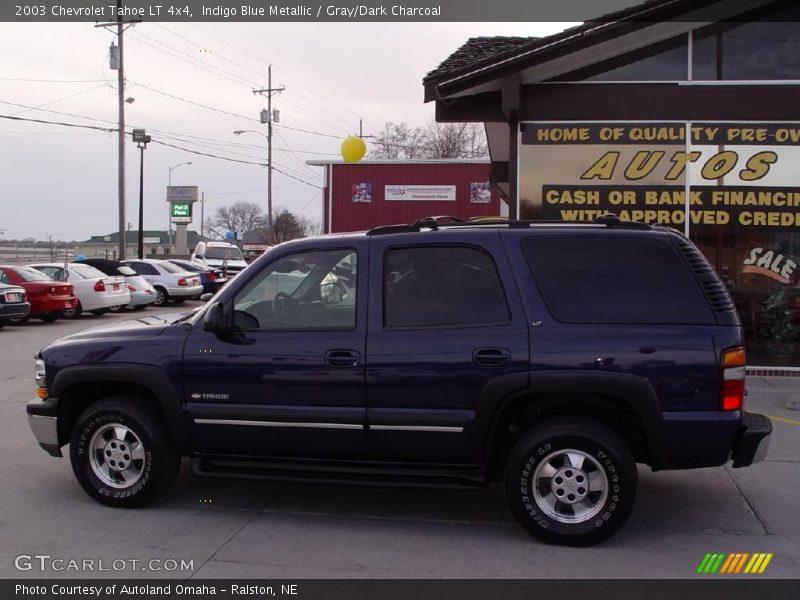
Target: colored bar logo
(732, 564)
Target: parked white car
(169, 281)
(96, 291)
(219, 255)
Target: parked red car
(47, 297)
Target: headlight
(39, 375)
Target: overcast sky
(63, 182)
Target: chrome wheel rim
(160, 298)
(116, 455)
(570, 486)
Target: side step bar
(357, 473)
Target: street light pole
(169, 213)
(142, 139)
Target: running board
(352, 472)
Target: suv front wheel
(571, 481)
(121, 454)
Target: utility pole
(269, 91)
(117, 62)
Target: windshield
(30, 274)
(86, 271)
(221, 253)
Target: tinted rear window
(594, 279)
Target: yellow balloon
(353, 149)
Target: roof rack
(610, 220)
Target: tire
(116, 309)
(118, 427)
(179, 300)
(20, 321)
(99, 311)
(539, 472)
(50, 317)
(162, 297)
(73, 313)
(2, 324)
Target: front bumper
(752, 444)
(43, 421)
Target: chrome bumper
(43, 422)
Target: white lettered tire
(121, 453)
(571, 481)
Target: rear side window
(448, 286)
(615, 280)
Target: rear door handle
(491, 357)
(342, 358)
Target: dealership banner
(739, 175)
(435, 193)
(665, 205)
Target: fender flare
(635, 392)
(153, 379)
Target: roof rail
(610, 220)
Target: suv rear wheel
(121, 453)
(571, 481)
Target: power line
(62, 98)
(52, 80)
(180, 98)
(265, 62)
(337, 137)
(62, 124)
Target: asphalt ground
(247, 529)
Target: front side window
(442, 286)
(306, 291)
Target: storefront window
(760, 50)
(744, 203)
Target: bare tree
(397, 141)
(437, 140)
(455, 140)
(241, 217)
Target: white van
(214, 254)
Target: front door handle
(491, 357)
(342, 358)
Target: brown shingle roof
(478, 49)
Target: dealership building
(681, 113)
(370, 193)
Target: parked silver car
(171, 283)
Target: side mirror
(214, 319)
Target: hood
(141, 327)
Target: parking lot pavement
(259, 529)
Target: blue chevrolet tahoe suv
(553, 356)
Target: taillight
(210, 276)
(53, 289)
(182, 281)
(131, 288)
(100, 286)
(733, 371)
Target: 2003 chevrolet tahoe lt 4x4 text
(555, 356)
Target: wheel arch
(81, 386)
(626, 403)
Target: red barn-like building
(371, 193)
